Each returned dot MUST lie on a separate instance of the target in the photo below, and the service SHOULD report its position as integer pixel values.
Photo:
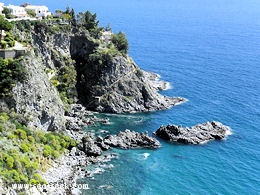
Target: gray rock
(103, 146)
(73, 151)
(130, 139)
(117, 85)
(37, 99)
(90, 147)
(198, 134)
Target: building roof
(14, 7)
(36, 7)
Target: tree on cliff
(7, 13)
(89, 21)
(4, 24)
(120, 42)
(73, 17)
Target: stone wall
(11, 53)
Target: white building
(17, 11)
(41, 11)
(1, 8)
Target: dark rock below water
(131, 139)
(198, 134)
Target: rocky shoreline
(91, 150)
(73, 166)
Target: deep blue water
(210, 53)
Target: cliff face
(37, 99)
(122, 87)
(117, 84)
(105, 79)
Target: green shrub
(7, 13)
(3, 44)
(4, 24)
(21, 133)
(1, 128)
(11, 71)
(47, 152)
(4, 117)
(24, 148)
(31, 139)
(11, 175)
(9, 160)
(120, 42)
(21, 162)
(31, 13)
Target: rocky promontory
(114, 83)
(197, 134)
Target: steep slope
(112, 82)
(37, 99)
(92, 71)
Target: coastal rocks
(130, 139)
(154, 80)
(198, 134)
(90, 147)
(125, 140)
(76, 117)
(101, 144)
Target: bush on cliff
(89, 22)
(11, 71)
(4, 24)
(7, 13)
(120, 42)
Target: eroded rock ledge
(131, 139)
(197, 134)
(124, 139)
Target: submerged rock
(198, 134)
(130, 139)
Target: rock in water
(198, 134)
(90, 147)
(130, 139)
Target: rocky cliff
(83, 69)
(37, 99)
(112, 82)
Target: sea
(209, 52)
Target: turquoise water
(209, 52)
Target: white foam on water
(168, 86)
(143, 156)
(229, 132)
(146, 155)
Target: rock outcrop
(131, 139)
(92, 146)
(113, 82)
(198, 134)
